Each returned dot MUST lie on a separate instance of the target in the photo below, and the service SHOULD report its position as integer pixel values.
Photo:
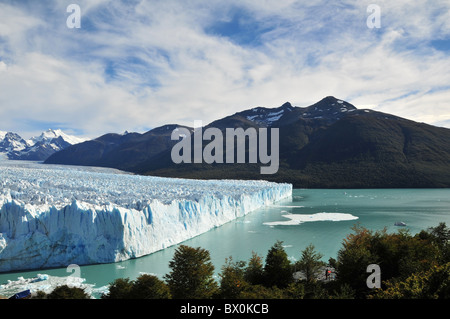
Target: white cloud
(136, 67)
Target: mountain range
(330, 144)
(38, 148)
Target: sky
(134, 65)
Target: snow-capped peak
(11, 142)
(37, 148)
(266, 116)
(52, 134)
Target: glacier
(53, 216)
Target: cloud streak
(135, 65)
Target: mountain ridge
(330, 144)
(37, 148)
(120, 151)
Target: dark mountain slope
(142, 148)
(90, 153)
(330, 144)
(363, 149)
(117, 151)
(372, 150)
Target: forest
(411, 267)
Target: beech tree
(431, 284)
(278, 270)
(310, 263)
(149, 287)
(192, 274)
(254, 273)
(232, 281)
(66, 292)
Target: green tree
(66, 292)
(262, 292)
(295, 290)
(399, 255)
(254, 273)
(353, 259)
(441, 233)
(441, 236)
(232, 281)
(431, 284)
(191, 275)
(277, 270)
(119, 289)
(343, 291)
(310, 263)
(149, 287)
(144, 287)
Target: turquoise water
(374, 208)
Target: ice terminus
(53, 216)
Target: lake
(371, 208)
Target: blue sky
(134, 65)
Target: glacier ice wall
(54, 216)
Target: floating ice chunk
(44, 283)
(40, 277)
(287, 206)
(297, 219)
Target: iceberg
(297, 219)
(53, 216)
(46, 283)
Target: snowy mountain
(122, 151)
(328, 110)
(267, 117)
(37, 148)
(11, 143)
(49, 135)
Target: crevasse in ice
(53, 216)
